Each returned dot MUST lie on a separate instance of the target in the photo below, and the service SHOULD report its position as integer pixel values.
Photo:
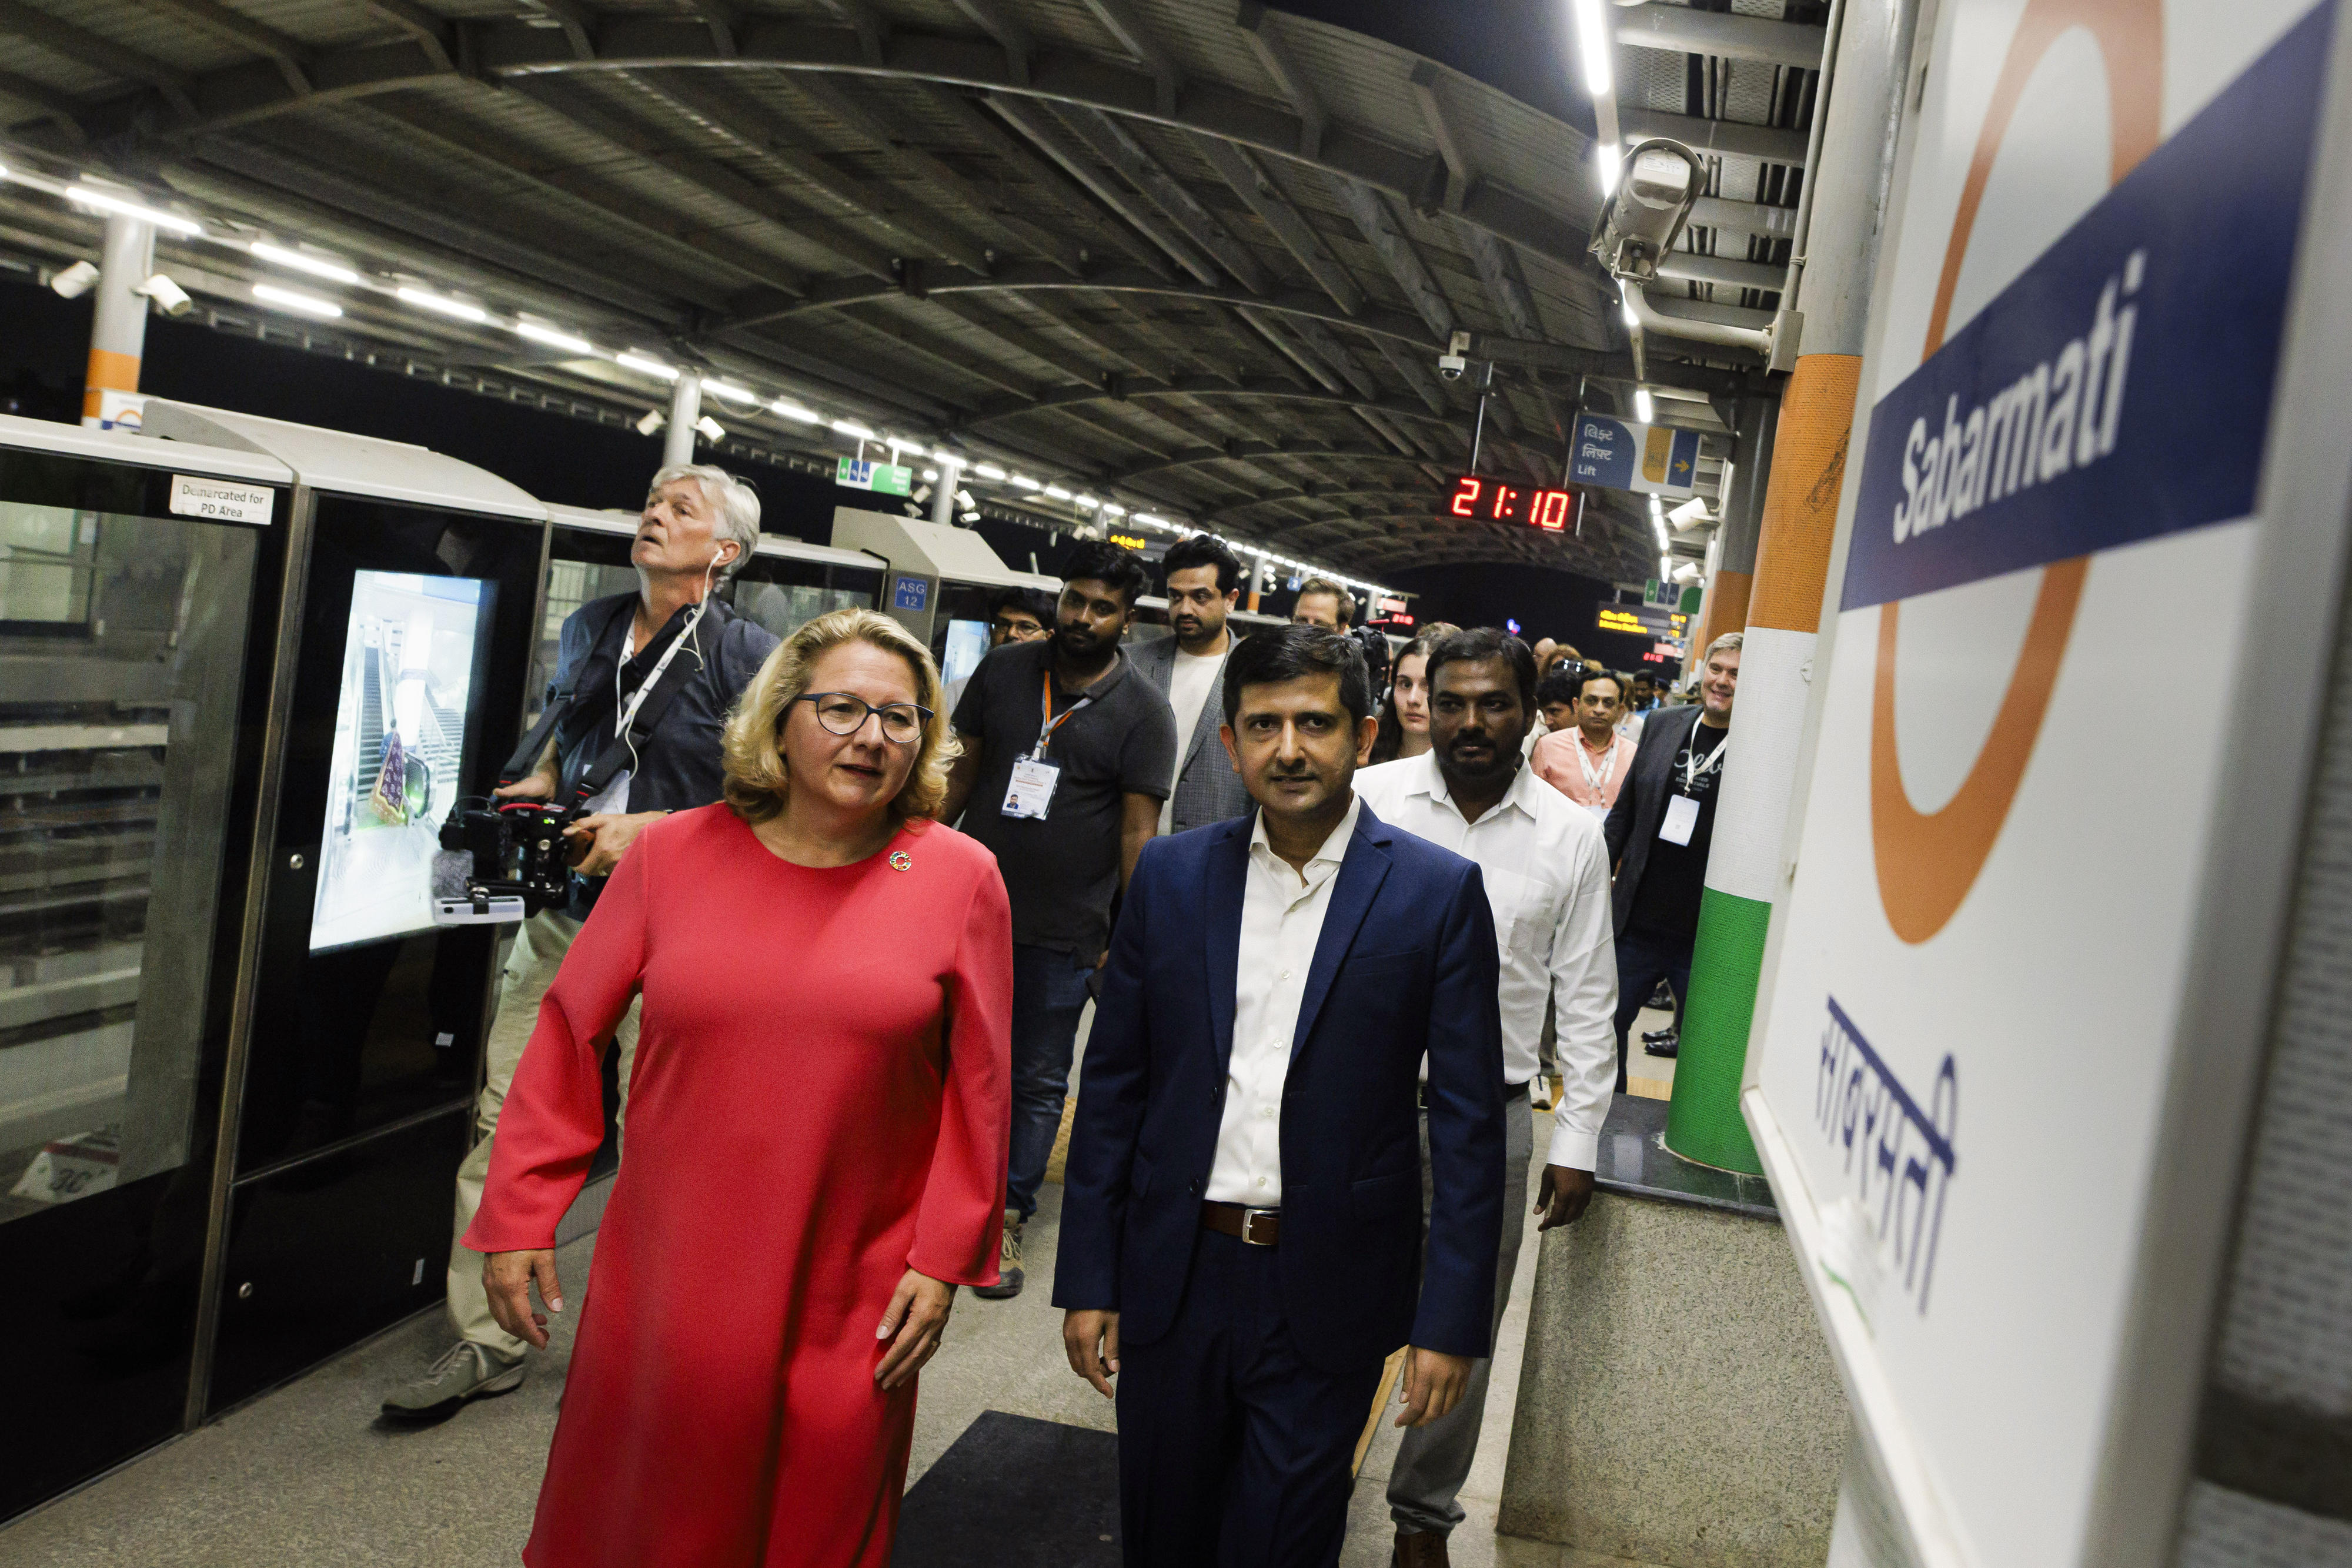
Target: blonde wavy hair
(758, 781)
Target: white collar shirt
(1282, 920)
(1545, 869)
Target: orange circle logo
(1927, 861)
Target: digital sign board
(1485, 496)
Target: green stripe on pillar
(1703, 1123)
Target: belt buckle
(1250, 1216)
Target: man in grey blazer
(1188, 668)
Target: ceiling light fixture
(317, 266)
(1055, 492)
(456, 309)
(631, 361)
(303, 304)
(988, 471)
(1023, 482)
(1644, 410)
(733, 393)
(851, 427)
(1593, 44)
(106, 203)
(552, 338)
(794, 411)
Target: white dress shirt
(1282, 919)
(1546, 867)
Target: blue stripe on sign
(2120, 389)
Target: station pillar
(118, 329)
(685, 408)
(1746, 865)
(1732, 570)
(943, 495)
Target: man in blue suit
(1240, 1241)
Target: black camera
(519, 852)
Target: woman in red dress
(817, 1129)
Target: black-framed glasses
(843, 713)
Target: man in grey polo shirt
(1067, 754)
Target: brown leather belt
(1257, 1227)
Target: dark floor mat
(1014, 1492)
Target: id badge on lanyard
(1030, 793)
(1681, 820)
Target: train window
(49, 557)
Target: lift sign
(221, 500)
(1482, 496)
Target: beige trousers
(538, 950)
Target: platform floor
(306, 1475)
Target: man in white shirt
(1240, 1240)
(1204, 582)
(1546, 868)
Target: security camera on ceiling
(1645, 214)
(654, 420)
(169, 296)
(75, 281)
(712, 430)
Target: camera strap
(633, 724)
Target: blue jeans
(1643, 959)
(1049, 992)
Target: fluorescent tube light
(286, 299)
(457, 309)
(851, 427)
(129, 209)
(317, 266)
(794, 411)
(553, 339)
(644, 366)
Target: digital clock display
(1485, 496)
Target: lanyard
(637, 699)
(1692, 768)
(1047, 724)
(1596, 782)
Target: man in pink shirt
(1586, 762)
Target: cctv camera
(652, 422)
(1644, 215)
(1452, 367)
(169, 296)
(75, 280)
(712, 430)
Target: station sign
(1484, 497)
(1623, 454)
(882, 478)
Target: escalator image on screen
(410, 660)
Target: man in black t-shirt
(1067, 753)
(1658, 833)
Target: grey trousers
(540, 944)
(1434, 1461)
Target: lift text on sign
(1482, 496)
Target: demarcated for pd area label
(221, 500)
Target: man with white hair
(632, 732)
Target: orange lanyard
(1047, 724)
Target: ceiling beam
(290, 55)
(1258, 192)
(1203, 387)
(1114, 146)
(1461, 176)
(576, 20)
(1730, 137)
(61, 110)
(638, 40)
(90, 48)
(1298, 88)
(1241, 450)
(428, 29)
(1386, 235)
(1020, 46)
(1120, 20)
(1687, 29)
(1036, 122)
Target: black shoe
(1662, 1042)
(1661, 997)
(1008, 1264)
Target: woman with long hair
(1404, 721)
(817, 1128)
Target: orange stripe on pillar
(1809, 450)
(109, 371)
(1725, 610)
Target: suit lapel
(1206, 723)
(1365, 867)
(1227, 882)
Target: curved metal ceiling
(1200, 258)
